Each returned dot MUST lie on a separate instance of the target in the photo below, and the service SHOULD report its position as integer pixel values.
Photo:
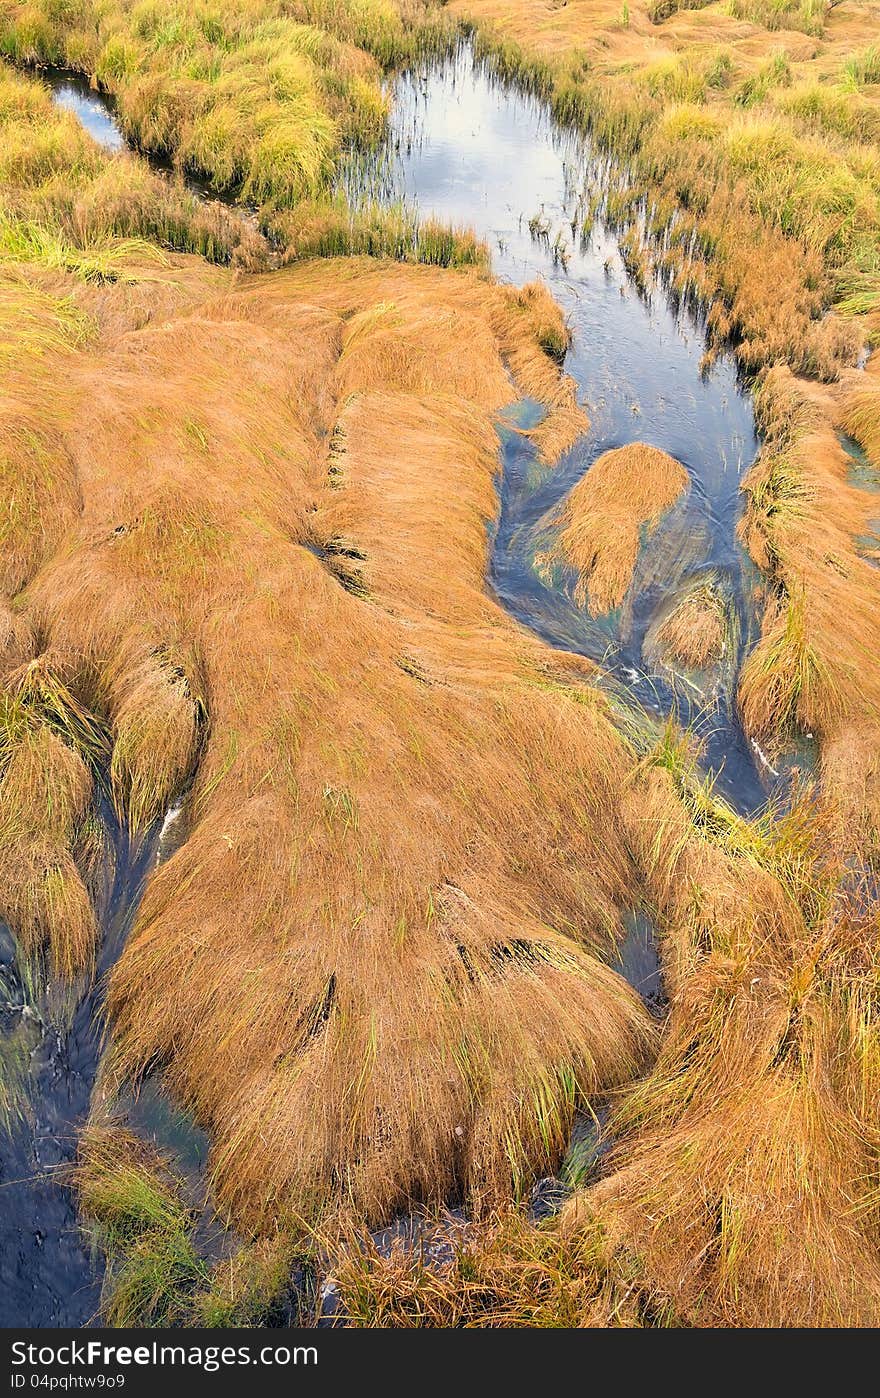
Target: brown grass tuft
(814, 669)
(694, 631)
(861, 411)
(600, 522)
(45, 790)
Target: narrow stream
(478, 152)
(474, 152)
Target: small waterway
(474, 152)
(73, 93)
(478, 152)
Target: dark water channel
(46, 1275)
(474, 152)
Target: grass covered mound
(741, 1189)
(599, 525)
(812, 527)
(374, 968)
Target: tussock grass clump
(601, 520)
(69, 205)
(504, 1273)
(254, 1287)
(47, 741)
(862, 69)
(768, 159)
(740, 1190)
(806, 15)
(156, 727)
(659, 10)
(861, 415)
(333, 228)
(859, 295)
(831, 109)
(748, 1148)
(260, 99)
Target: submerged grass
(266, 1282)
(14, 1078)
(136, 1211)
(695, 631)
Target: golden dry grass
(260, 98)
(749, 1150)
(383, 936)
(741, 1190)
(69, 204)
(244, 569)
(599, 525)
(759, 135)
(860, 415)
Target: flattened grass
(407, 964)
(741, 1186)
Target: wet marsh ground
(729, 903)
